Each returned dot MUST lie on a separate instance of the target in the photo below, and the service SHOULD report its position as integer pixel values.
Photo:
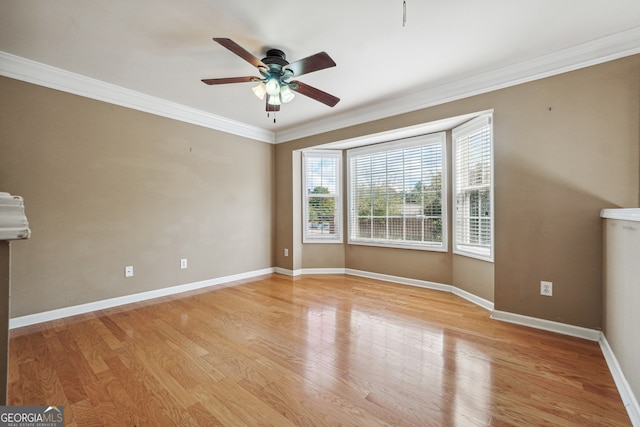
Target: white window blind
(322, 189)
(397, 195)
(473, 188)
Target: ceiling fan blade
(314, 93)
(231, 80)
(312, 63)
(240, 51)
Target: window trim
(306, 237)
(418, 140)
(461, 248)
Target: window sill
(322, 240)
(432, 248)
(477, 254)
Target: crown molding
(594, 52)
(40, 74)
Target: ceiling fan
(276, 72)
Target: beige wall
(106, 186)
(474, 276)
(565, 147)
(284, 213)
(322, 255)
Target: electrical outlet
(286, 252)
(183, 263)
(128, 271)
(546, 288)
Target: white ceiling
(162, 48)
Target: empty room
(389, 213)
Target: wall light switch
(128, 271)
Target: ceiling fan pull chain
(404, 13)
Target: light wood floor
(310, 351)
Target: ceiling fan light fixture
(260, 90)
(274, 100)
(272, 86)
(286, 94)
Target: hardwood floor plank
(203, 417)
(308, 351)
(30, 386)
(121, 399)
(135, 395)
(157, 369)
(84, 414)
(108, 331)
(104, 407)
(66, 371)
(90, 344)
(234, 405)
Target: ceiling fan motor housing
(276, 60)
(275, 56)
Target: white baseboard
(486, 304)
(323, 271)
(287, 272)
(532, 322)
(547, 325)
(59, 313)
(629, 400)
(400, 280)
(481, 302)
